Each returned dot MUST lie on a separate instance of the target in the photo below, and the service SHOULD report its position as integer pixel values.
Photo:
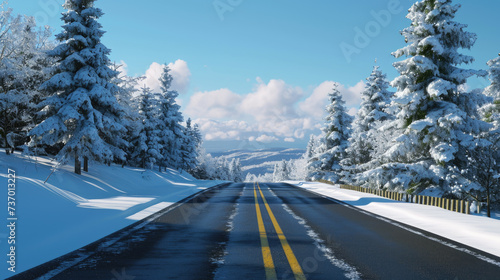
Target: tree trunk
(78, 167)
(7, 151)
(488, 207)
(86, 164)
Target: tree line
(65, 98)
(431, 135)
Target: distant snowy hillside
(260, 162)
(71, 211)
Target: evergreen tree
(82, 113)
(281, 171)
(326, 164)
(375, 100)
(24, 66)
(222, 169)
(238, 173)
(128, 87)
(484, 168)
(436, 131)
(147, 143)
(173, 137)
(311, 147)
(235, 174)
(190, 146)
(491, 111)
(129, 97)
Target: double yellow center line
(266, 251)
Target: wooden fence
(456, 205)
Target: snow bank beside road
(478, 232)
(71, 211)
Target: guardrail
(456, 205)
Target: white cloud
(222, 130)
(352, 95)
(180, 73)
(266, 139)
(152, 77)
(314, 104)
(270, 112)
(273, 107)
(319, 98)
(217, 104)
(275, 100)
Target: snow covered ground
(473, 230)
(71, 211)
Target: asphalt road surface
(272, 231)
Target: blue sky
(263, 68)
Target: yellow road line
(266, 251)
(292, 260)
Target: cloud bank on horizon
(273, 111)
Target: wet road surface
(272, 231)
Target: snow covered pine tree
(173, 133)
(192, 142)
(326, 164)
(148, 142)
(371, 115)
(24, 66)
(491, 112)
(429, 154)
(83, 114)
(484, 161)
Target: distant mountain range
(259, 162)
